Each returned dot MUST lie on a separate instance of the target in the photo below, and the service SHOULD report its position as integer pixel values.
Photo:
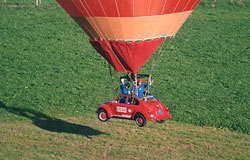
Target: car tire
(140, 120)
(160, 121)
(102, 115)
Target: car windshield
(150, 99)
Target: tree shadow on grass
(48, 123)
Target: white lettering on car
(121, 109)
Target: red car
(134, 108)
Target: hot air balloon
(127, 32)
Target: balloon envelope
(127, 32)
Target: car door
(132, 105)
(120, 107)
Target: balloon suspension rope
(112, 79)
(159, 58)
(160, 54)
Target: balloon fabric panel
(113, 24)
(126, 56)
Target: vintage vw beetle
(131, 107)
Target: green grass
(52, 80)
(45, 137)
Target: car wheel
(102, 115)
(161, 121)
(140, 120)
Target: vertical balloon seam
(173, 12)
(133, 20)
(180, 16)
(145, 25)
(84, 25)
(117, 8)
(91, 17)
(184, 18)
(165, 2)
(106, 17)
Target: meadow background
(52, 80)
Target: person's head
(140, 81)
(122, 80)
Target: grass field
(44, 137)
(52, 80)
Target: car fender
(139, 111)
(107, 109)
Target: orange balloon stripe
(132, 28)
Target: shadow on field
(52, 124)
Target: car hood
(110, 102)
